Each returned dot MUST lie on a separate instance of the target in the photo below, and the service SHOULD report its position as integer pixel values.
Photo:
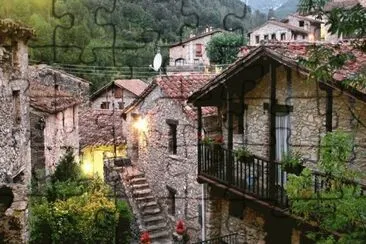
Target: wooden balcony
(251, 176)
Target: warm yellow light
(87, 168)
(141, 124)
(311, 37)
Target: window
(282, 139)
(121, 105)
(16, 104)
(295, 37)
(172, 135)
(273, 36)
(171, 200)
(199, 50)
(303, 37)
(179, 62)
(283, 36)
(301, 23)
(117, 93)
(104, 105)
(236, 208)
(257, 39)
(265, 37)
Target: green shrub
(67, 168)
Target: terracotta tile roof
(14, 29)
(101, 128)
(178, 87)
(197, 37)
(135, 86)
(289, 53)
(47, 99)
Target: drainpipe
(203, 215)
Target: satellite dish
(157, 62)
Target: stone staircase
(151, 218)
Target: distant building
(191, 53)
(117, 94)
(294, 28)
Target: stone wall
(161, 167)
(269, 29)
(108, 96)
(187, 51)
(15, 158)
(61, 132)
(256, 224)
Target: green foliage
(292, 162)
(242, 153)
(67, 168)
(140, 26)
(224, 48)
(335, 151)
(338, 206)
(77, 210)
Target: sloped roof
(178, 87)
(345, 4)
(281, 24)
(289, 54)
(297, 15)
(197, 37)
(101, 128)
(48, 99)
(136, 86)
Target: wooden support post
(272, 132)
(199, 137)
(329, 110)
(228, 157)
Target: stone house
(294, 28)
(160, 131)
(266, 104)
(101, 137)
(54, 126)
(191, 52)
(117, 94)
(15, 150)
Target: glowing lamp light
(87, 168)
(311, 37)
(141, 124)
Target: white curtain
(282, 137)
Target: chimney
(210, 28)
(207, 29)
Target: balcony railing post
(199, 138)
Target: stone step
(156, 228)
(159, 235)
(138, 180)
(151, 211)
(144, 198)
(142, 193)
(139, 186)
(148, 204)
(153, 219)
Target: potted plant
(244, 155)
(292, 163)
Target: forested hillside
(90, 34)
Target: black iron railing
(228, 239)
(251, 175)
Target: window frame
(172, 136)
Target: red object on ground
(145, 238)
(180, 228)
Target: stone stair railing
(145, 207)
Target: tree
(338, 206)
(224, 48)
